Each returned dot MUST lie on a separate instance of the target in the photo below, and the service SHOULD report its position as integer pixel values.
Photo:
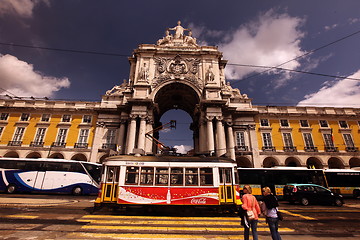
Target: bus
(45, 175)
(277, 177)
(344, 181)
(151, 181)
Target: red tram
(169, 180)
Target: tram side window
(132, 175)
(162, 176)
(191, 176)
(206, 176)
(147, 176)
(176, 176)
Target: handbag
(249, 213)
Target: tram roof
(165, 158)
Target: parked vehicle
(311, 194)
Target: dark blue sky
(265, 33)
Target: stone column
(121, 137)
(202, 137)
(142, 131)
(231, 142)
(98, 136)
(131, 135)
(253, 142)
(210, 136)
(149, 142)
(221, 141)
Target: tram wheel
(304, 201)
(11, 188)
(338, 202)
(77, 191)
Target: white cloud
(20, 78)
(327, 28)
(23, 8)
(183, 149)
(271, 40)
(344, 93)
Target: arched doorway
(178, 101)
(243, 162)
(270, 162)
(292, 162)
(354, 162)
(34, 155)
(57, 156)
(314, 162)
(335, 163)
(12, 155)
(79, 157)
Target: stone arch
(270, 162)
(12, 154)
(334, 162)
(243, 162)
(79, 157)
(354, 162)
(314, 162)
(57, 156)
(292, 162)
(175, 95)
(34, 155)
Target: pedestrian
(270, 209)
(250, 204)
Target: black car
(311, 193)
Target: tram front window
(225, 175)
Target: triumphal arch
(177, 73)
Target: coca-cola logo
(198, 201)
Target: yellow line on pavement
(149, 236)
(20, 216)
(163, 217)
(139, 222)
(187, 229)
(298, 215)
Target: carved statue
(189, 39)
(209, 76)
(117, 88)
(179, 31)
(144, 73)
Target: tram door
(226, 186)
(110, 190)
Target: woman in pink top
(250, 203)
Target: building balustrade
(14, 143)
(269, 148)
(352, 149)
(109, 146)
(242, 148)
(290, 149)
(331, 149)
(311, 149)
(81, 145)
(36, 144)
(58, 144)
